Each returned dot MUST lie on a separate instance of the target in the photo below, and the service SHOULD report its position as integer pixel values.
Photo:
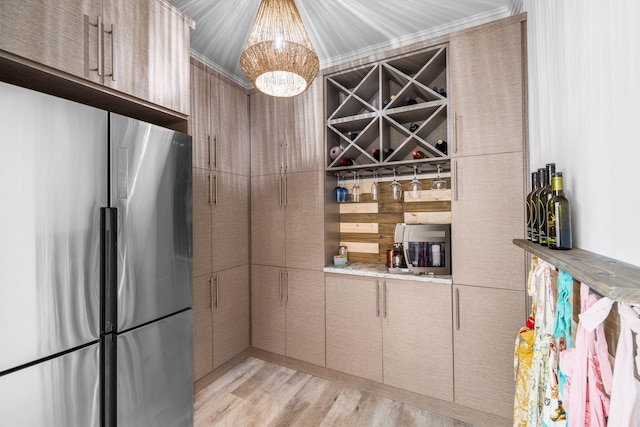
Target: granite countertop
(381, 270)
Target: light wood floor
(259, 393)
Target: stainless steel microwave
(427, 248)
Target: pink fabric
(623, 394)
(587, 366)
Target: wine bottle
(545, 196)
(442, 146)
(534, 203)
(528, 208)
(417, 154)
(558, 216)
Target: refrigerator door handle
(109, 267)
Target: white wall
(584, 114)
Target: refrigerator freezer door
(151, 189)
(53, 170)
(63, 391)
(154, 374)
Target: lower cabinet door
(486, 322)
(202, 331)
(268, 309)
(230, 314)
(354, 326)
(418, 347)
(305, 324)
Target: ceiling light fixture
(278, 57)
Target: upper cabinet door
(232, 148)
(270, 130)
(305, 145)
(199, 120)
(146, 52)
(59, 34)
(486, 87)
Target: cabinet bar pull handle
(377, 298)
(280, 190)
(285, 190)
(211, 303)
(455, 180)
(215, 152)
(113, 55)
(100, 50)
(217, 291)
(455, 132)
(284, 155)
(457, 309)
(215, 199)
(280, 285)
(286, 286)
(209, 150)
(210, 189)
(384, 298)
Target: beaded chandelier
(278, 57)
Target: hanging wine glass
(415, 186)
(355, 191)
(395, 188)
(438, 183)
(344, 192)
(375, 188)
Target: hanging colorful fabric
(522, 358)
(543, 335)
(562, 328)
(623, 390)
(587, 365)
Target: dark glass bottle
(528, 209)
(558, 216)
(542, 178)
(543, 199)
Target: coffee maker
(395, 256)
(426, 247)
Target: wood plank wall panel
(367, 227)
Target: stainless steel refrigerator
(95, 267)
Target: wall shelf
(611, 278)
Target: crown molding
(461, 24)
(242, 81)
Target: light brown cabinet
(136, 48)
(286, 133)
(487, 214)
(392, 331)
(486, 90)
(287, 222)
(220, 118)
(221, 307)
(287, 225)
(220, 318)
(288, 312)
(485, 324)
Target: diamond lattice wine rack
(389, 114)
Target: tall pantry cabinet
(487, 167)
(287, 225)
(220, 130)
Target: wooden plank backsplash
(367, 227)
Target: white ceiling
(339, 29)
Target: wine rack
(389, 115)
